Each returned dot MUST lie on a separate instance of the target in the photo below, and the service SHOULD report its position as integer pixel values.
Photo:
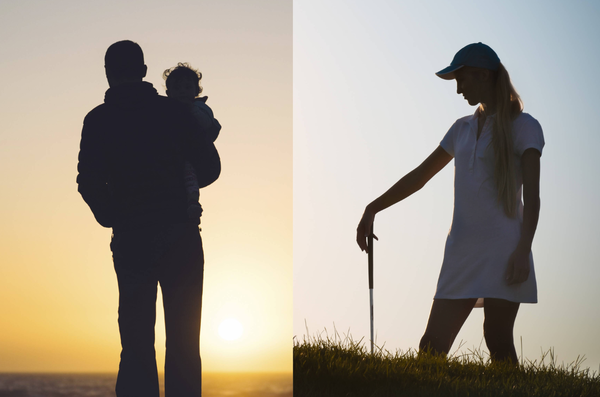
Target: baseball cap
(477, 55)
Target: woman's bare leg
(498, 327)
(445, 320)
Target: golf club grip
(370, 240)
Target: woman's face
(471, 83)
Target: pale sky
(368, 108)
(57, 283)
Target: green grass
(335, 366)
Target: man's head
(124, 63)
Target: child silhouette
(183, 84)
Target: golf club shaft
(370, 241)
(372, 341)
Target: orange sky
(57, 284)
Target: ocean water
(103, 385)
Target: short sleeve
(528, 134)
(447, 142)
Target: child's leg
(498, 326)
(445, 320)
(194, 209)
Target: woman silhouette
(487, 260)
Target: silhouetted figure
(131, 162)
(487, 260)
(183, 84)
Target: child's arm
(206, 118)
(199, 150)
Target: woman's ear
(485, 75)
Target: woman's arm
(518, 264)
(410, 183)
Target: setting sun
(230, 329)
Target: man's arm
(92, 178)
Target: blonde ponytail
(508, 107)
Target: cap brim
(448, 73)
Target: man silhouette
(131, 174)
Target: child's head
(183, 82)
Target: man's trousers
(171, 256)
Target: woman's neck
(489, 109)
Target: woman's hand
(518, 267)
(365, 226)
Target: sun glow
(230, 329)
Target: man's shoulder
(166, 106)
(158, 105)
(163, 101)
(95, 114)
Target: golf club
(370, 255)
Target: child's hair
(181, 72)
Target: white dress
(482, 237)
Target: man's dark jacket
(132, 156)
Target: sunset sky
(368, 108)
(57, 283)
